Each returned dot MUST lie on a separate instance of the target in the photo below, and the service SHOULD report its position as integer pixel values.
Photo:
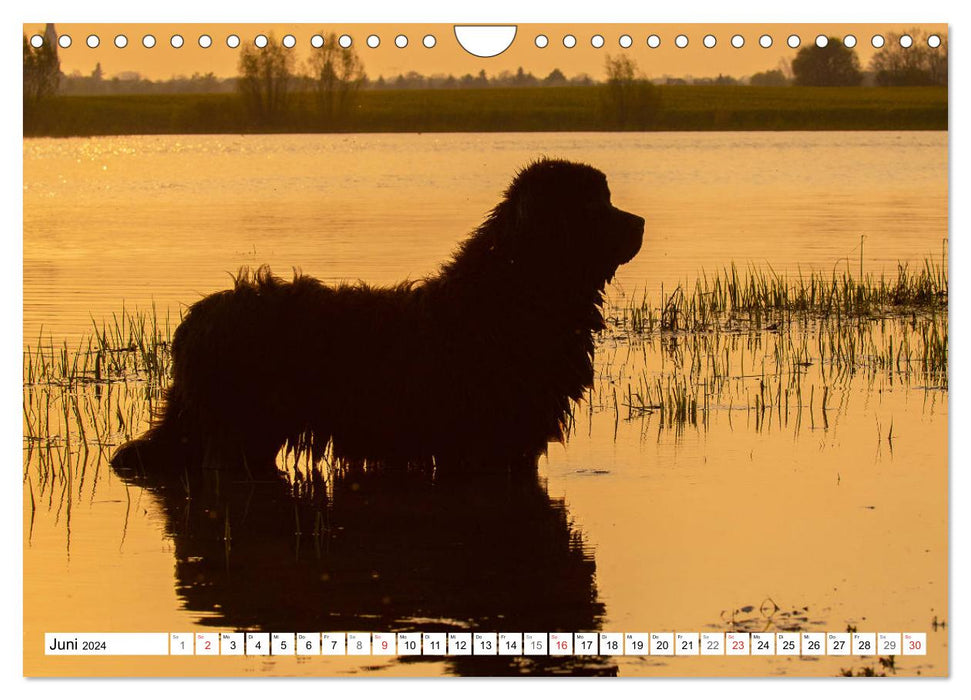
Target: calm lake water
(166, 218)
(818, 524)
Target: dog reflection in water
(381, 550)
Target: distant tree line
(132, 83)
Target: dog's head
(559, 220)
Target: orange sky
(163, 61)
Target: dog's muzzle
(629, 230)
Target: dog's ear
(509, 220)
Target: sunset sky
(163, 61)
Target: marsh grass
(132, 345)
(545, 109)
(773, 346)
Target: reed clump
(759, 298)
(777, 347)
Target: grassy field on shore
(680, 108)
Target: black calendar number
(309, 645)
(813, 645)
(788, 645)
(636, 645)
(232, 645)
(839, 644)
(410, 645)
(762, 645)
(663, 645)
(865, 645)
(99, 646)
(688, 644)
(586, 644)
(460, 644)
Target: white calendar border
(11, 650)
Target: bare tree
(918, 64)
(42, 69)
(264, 81)
(630, 100)
(336, 74)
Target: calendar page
(485, 350)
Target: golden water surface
(736, 522)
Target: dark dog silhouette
(474, 368)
